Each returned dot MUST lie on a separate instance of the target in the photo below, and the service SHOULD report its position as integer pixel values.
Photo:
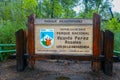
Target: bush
(114, 26)
(7, 35)
(7, 32)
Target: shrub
(114, 26)
(7, 35)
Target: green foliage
(117, 41)
(87, 15)
(112, 25)
(7, 32)
(68, 8)
(4, 55)
(95, 6)
(56, 8)
(13, 16)
(29, 6)
(6, 35)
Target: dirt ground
(54, 70)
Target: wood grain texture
(31, 43)
(31, 40)
(102, 48)
(62, 57)
(108, 52)
(20, 50)
(96, 43)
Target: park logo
(47, 38)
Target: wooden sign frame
(102, 58)
(96, 44)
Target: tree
(95, 6)
(57, 8)
(68, 7)
(50, 9)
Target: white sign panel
(64, 36)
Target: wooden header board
(64, 36)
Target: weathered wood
(25, 49)
(20, 50)
(25, 42)
(31, 43)
(96, 43)
(108, 52)
(102, 48)
(102, 42)
(102, 57)
(65, 57)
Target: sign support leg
(31, 42)
(96, 43)
(108, 52)
(20, 50)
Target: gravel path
(52, 70)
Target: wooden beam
(102, 48)
(96, 43)
(31, 40)
(20, 50)
(64, 57)
(108, 52)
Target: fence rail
(5, 51)
(117, 53)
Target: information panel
(64, 36)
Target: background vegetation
(14, 14)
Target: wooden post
(108, 52)
(25, 42)
(20, 50)
(25, 48)
(102, 48)
(31, 43)
(96, 43)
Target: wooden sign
(64, 36)
(65, 39)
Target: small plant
(62, 78)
